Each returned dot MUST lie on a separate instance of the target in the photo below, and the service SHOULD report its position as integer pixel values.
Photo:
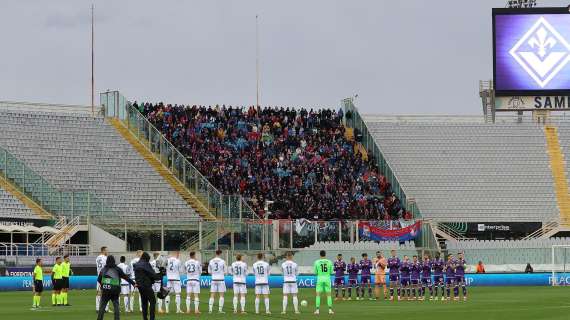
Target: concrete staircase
(558, 168)
(67, 229)
(162, 170)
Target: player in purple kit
(365, 276)
(460, 265)
(394, 266)
(438, 265)
(415, 277)
(352, 269)
(339, 269)
(405, 278)
(426, 278)
(449, 275)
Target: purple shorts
(394, 277)
(352, 282)
(460, 279)
(438, 279)
(415, 280)
(365, 279)
(405, 281)
(426, 281)
(339, 281)
(449, 280)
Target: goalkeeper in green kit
(323, 269)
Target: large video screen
(531, 51)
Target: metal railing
(54, 201)
(224, 207)
(354, 120)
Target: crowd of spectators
(299, 159)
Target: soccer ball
(304, 303)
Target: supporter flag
(389, 231)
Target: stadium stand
(469, 171)
(509, 255)
(12, 207)
(301, 160)
(76, 152)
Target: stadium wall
(513, 279)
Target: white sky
(400, 57)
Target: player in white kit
(100, 262)
(193, 271)
(173, 266)
(217, 269)
(125, 286)
(261, 272)
(135, 290)
(239, 277)
(156, 286)
(290, 273)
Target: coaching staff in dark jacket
(145, 277)
(110, 280)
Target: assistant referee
(65, 273)
(38, 287)
(56, 279)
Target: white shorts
(218, 286)
(261, 289)
(125, 288)
(156, 287)
(290, 288)
(192, 286)
(174, 286)
(240, 288)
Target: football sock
(285, 303)
(318, 301)
(221, 304)
(127, 304)
(97, 301)
(266, 302)
(391, 292)
(196, 304)
(235, 301)
(329, 301)
(336, 292)
(350, 292)
(65, 297)
(188, 304)
(296, 303)
(456, 291)
(370, 292)
(242, 303)
(464, 290)
(256, 305)
(167, 303)
(343, 292)
(177, 302)
(210, 304)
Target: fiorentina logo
(542, 52)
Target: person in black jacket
(110, 281)
(145, 277)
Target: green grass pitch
(485, 303)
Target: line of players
(217, 269)
(408, 279)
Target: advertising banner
(516, 279)
(532, 103)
